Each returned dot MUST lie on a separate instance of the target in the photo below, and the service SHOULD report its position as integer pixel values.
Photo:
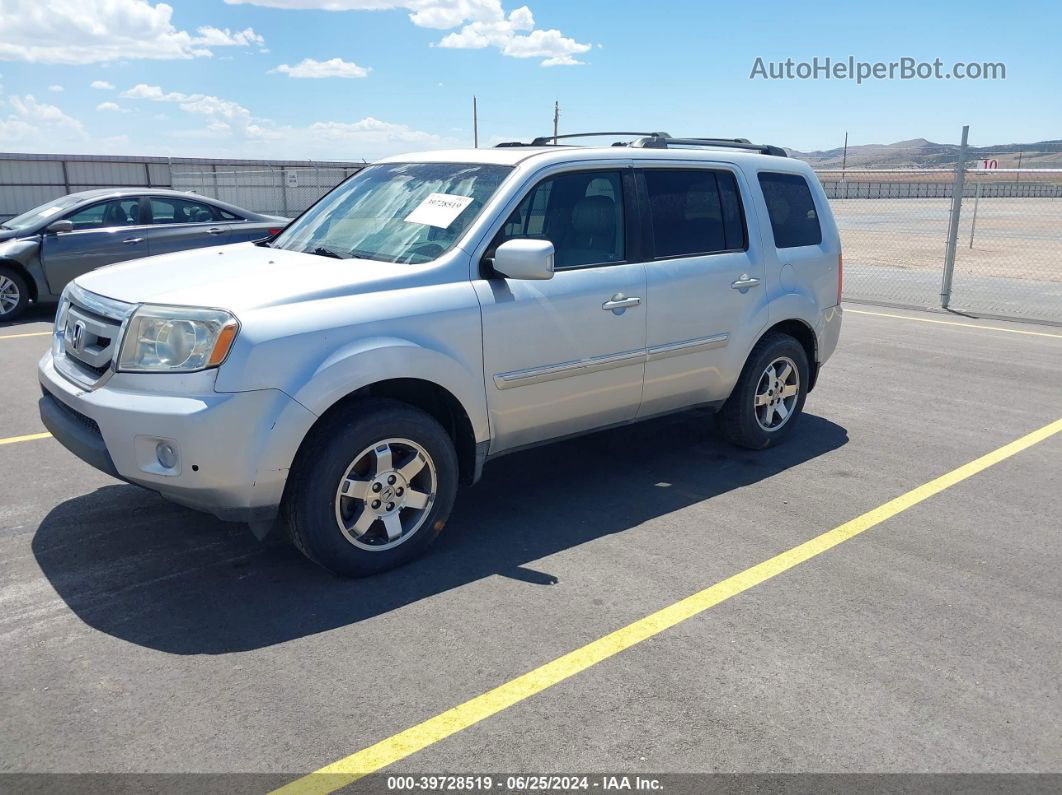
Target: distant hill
(920, 153)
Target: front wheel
(769, 396)
(14, 294)
(371, 487)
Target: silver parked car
(44, 248)
(438, 310)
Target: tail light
(840, 275)
(276, 231)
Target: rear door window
(181, 211)
(694, 212)
(794, 220)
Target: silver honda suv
(339, 380)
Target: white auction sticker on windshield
(439, 209)
(49, 212)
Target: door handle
(132, 241)
(215, 231)
(745, 282)
(620, 301)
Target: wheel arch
(803, 333)
(431, 398)
(23, 271)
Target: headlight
(60, 324)
(173, 339)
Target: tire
(752, 416)
(350, 450)
(14, 294)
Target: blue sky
(220, 77)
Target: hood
(240, 276)
(8, 234)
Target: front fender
(25, 252)
(368, 361)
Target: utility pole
(556, 118)
(475, 123)
(953, 225)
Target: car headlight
(174, 339)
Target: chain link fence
(283, 191)
(1008, 250)
(894, 228)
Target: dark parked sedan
(44, 248)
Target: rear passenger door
(706, 292)
(178, 224)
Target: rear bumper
(233, 449)
(829, 332)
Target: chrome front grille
(88, 330)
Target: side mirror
(59, 226)
(525, 259)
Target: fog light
(166, 454)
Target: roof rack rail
(658, 140)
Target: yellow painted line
(954, 323)
(399, 746)
(28, 438)
(27, 334)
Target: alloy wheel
(9, 295)
(386, 494)
(777, 392)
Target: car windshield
(395, 212)
(51, 209)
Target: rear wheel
(14, 294)
(769, 396)
(371, 488)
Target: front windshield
(395, 212)
(51, 209)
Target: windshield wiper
(321, 251)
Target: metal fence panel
(284, 191)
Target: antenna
(475, 123)
(556, 118)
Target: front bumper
(233, 449)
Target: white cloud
(31, 121)
(56, 88)
(97, 31)
(112, 106)
(215, 37)
(234, 117)
(102, 85)
(230, 128)
(482, 23)
(334, 67)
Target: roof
(99, 193)
(546, 155)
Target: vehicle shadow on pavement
(35, 313)
(151, 573)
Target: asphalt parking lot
(139, 636)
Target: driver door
(104, 233)
(567, 354)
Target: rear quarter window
(794, 219)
